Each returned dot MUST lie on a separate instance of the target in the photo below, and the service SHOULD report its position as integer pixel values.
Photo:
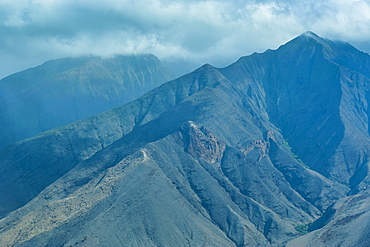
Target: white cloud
(213, 31)
(346, 19)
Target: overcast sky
(194, 31)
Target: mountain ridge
(208, 150)
(300, 85)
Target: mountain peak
(310, 34)
(206, 66)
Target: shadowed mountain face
(62, 91)
(345, 223)
(316, 92)
(212, 158)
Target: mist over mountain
(254, 154)
(65, 90)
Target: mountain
(317, 93)
(65, 90)
(247, 155)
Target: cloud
(208, 31)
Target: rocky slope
(65, 90)
(218, 157)
(345, 223)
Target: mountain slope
(200, 160)
(336, 226)
(317, 93)
(219, 170)
(43, 159)
(65, 90)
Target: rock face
(202, 144)
(240, 156)
(65, 90)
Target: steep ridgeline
(201, 160)
(317, 92)
(65, 90)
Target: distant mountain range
(270, 148)
(65, 90)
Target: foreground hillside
(65, 90)
(248, 155)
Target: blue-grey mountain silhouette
(65, 90)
